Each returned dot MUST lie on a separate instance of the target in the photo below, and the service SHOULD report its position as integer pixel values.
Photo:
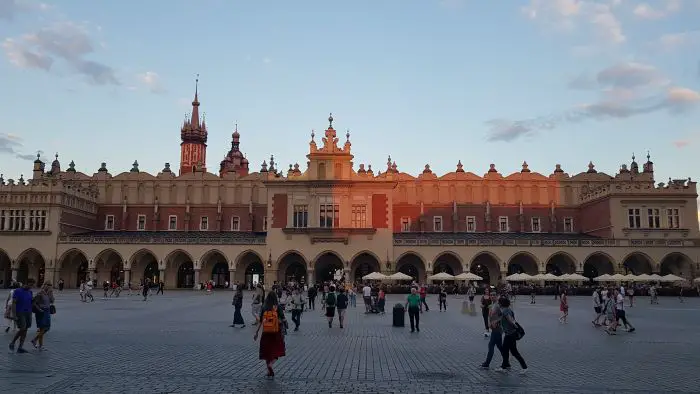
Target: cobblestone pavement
(181, 342)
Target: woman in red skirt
(272, 338)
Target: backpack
(271, 321)
(330, 300)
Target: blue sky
(427, 81)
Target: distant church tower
(193, 149)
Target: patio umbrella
(516, 277)
(604, 278)
(672, 278)
(468, 276)
(696, 280)
(550, 277)
(576, 277)
(535, 278)
(631, 277)
(655, 278)
(643, 278)
(441, 276)
(617, 277)
(399, 276)
(374, 276)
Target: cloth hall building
(309, 221)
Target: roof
(166, 237)
(495, 236)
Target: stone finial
(38, 157)
(313, 135)
(263, 167)
(71, 166)
(2, 179)
(394, 167)
(557, 169)
(525, 167)
(460, 167)
(369, 169)
(347, 135)
(427, 169)
(103, 167)
(166, 168)
(272, 162)
(388, 163)
(135, 166)
(361, 170)
(330, 120)
(492, 168)
(591, 168)
(21, 180)
(296, 168)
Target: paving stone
(181, 343)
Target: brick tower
(193, 149)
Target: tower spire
(195, 103)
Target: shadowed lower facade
(331, 215)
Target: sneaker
(523, 371)
(486, 334)
(484, 366)
(631, 329)
(502, 370)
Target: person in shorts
(22, 300)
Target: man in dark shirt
(22, 308)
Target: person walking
(494, 322)
(423, 294)
(312, 293)
(564, 307)
(620, 311)
(43, 309)
(297, 306)
(237, 305)
(509, 327)
(22, 299)
(486, 302)
(413, 304)
(342, 301)
(9, 314)
(330, 302)
(442, 299)
(273, 324)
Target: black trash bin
(399, 316)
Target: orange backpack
(271, 321)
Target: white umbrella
(643, 278)
(550, 277)
(516, 277)
(672, 278)
(655, 278)
(564, 277)
(617, 277)
(576, 277)
(399, 276)
(535, 278)
(374, 276)
(630, 277)
(441, 276)
(468, 276)
(696, 280)
(604, 278)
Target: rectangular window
(109, 223)
(264, 226)
(301, 216)
(3, 219)
(43, 221)
(172, 223)
(673, 218)
(535, 225)
(405, 224)
(634, 217)
(568, 225)
(235, 223)
(471, 224)
(141, 223)
(437, 224)
(359, 216)
(203, 223)
(654, 217)
(503, 224)
(329, 214)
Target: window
(568, 225)
(634, 217)
(235, 223)
(673, 218)
(301, 216)
(172, 223)
(437, 224)
(359, 216)
(405, 224)
(109, 222)
(654, 217)
(471, 224)
(203, 223)
(535, 225)
(329, 213)
(264, 226)
(141, 223)
(503, 224)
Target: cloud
(11, 144)
(646, 11)
(596, 17)
(626, 90)
(675, 41)
(67, 42)
(152, 81)
(680, 144)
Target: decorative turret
(193, 148)
(492, 168)
(38, 169)
(234, 161)
(460, 167)
(21, 180)
(263, 167)
(634, 167)
(135, 166)
(55, 166)
(103, 167)
(525, 167)
(166, 168)
(271, 168)
(2, 179)
(71, 167)
(557, 169)
(427, 169)
(591, 168)
(648, 167)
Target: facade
(310, 221)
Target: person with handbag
(273, 325)
(43, 306)
(512, 332)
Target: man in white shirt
(622, 291)
(597, 307)
(620, 311)
(367, 296)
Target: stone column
(232, 277)
(162, 275)
(49, 275)
(310, 278)
(127, 277)
(269, 277)
(15, 271)
(196, 278)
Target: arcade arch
(5, 269)
(144, 265)
(364, 264)
(180, 269)
(327, 266)
(412, 265)
(447, 262)
(561, 263)
(486, 265)
(292, 268)
(523, 263)
(31, 265)
(110, 266)
(215, 267)
(678, 264)
(638, 263)
(73, 268)
(250, 269)
(597, 264)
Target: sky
(425, 81)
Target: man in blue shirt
(22, 299)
